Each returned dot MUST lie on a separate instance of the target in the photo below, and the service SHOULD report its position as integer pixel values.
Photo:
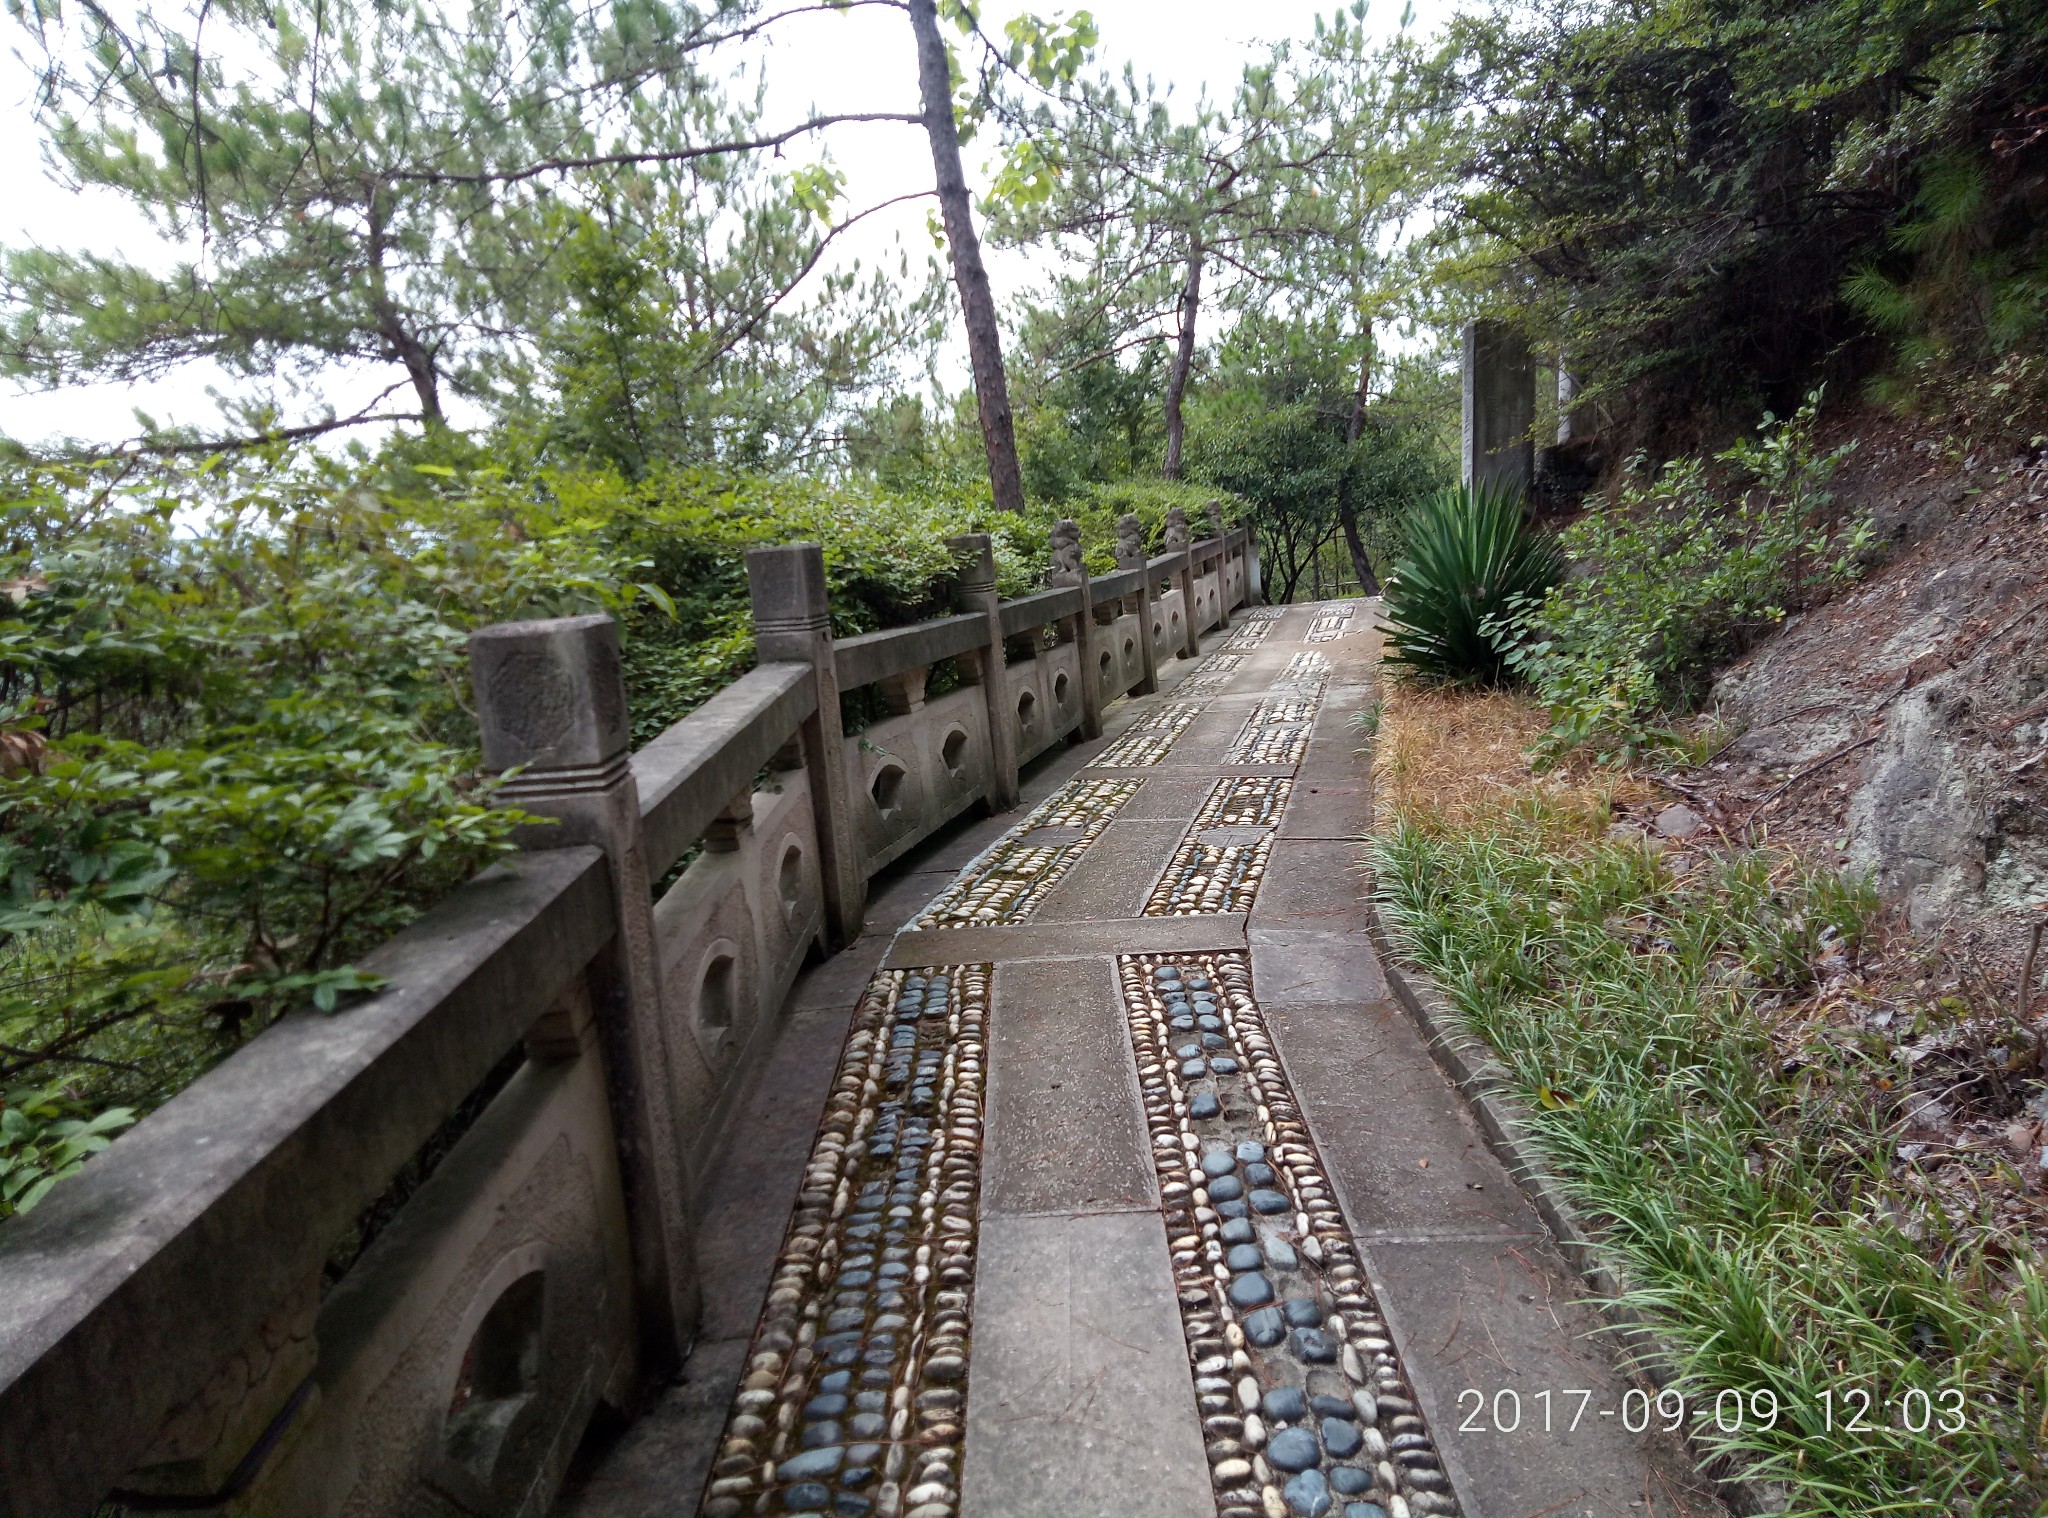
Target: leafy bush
(688, 531)
(1676, 195)
(232, 710)
(235, 746)
(1674, 579)
(44, 1138)
(1470, 557)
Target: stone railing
(523, 1115)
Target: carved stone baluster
(1069, 568)
(793, 624)
(1130, 554)
(978, 593)
(1183, 573)
(550, 697)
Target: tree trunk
(399, 342)
(984, 340)
(1183, 361)
(1347, 509)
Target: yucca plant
(1470, 559)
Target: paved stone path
(1134, 1194)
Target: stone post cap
(1176, 529)
(975, 554)
(1066, 567)
(1130, 541)
(550, 693)
(787, 586)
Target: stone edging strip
(1484, 1085)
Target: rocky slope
(1902, 727)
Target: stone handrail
(136, 1279)
(879, 655)
(518, 1123)
(1115, 586)
(1039, 609)
(693, 768)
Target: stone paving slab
(1311, 884)
(1316, 966)
(1065, 1134)
(1405, 1162)
(757, 1181)
(1323, 809)
(1488, 1328)
(1112, 878)
(1082, 1390)
(1169, 797)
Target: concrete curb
(1484, 1084)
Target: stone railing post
(793, 625)
(977, 561)
(1069, 568)
(550, 698)
(1130, 554)
(1183, 573)
(1221, 537)
(1254, 586)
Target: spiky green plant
(1471, 559)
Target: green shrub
(236, 749)
(45, 1137)
(1674, 580)
(1470, 558)
(235, 745)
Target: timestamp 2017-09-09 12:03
(1849, 1410)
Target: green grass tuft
(1755, 1210)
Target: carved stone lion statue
(1130, 540)
(1176, 529)
(1066, 554)
(1215, 519)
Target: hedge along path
(1135, 1192)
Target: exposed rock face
(1914, 704)
(1913, 821)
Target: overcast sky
(857, 61)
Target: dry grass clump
(1447, 758)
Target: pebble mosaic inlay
(1305, 672)
(1251, 634)
(1007, 883)
(853, 1400)
(1146, 742)
(1332, 623)
(1259, 614)
(1277, 732)
(1304, 1407)
(1219, 864)
(1204, 683)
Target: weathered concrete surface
(1083, 1402)
(1407, 1163)
(1064, 1134)
(1486, 1328)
